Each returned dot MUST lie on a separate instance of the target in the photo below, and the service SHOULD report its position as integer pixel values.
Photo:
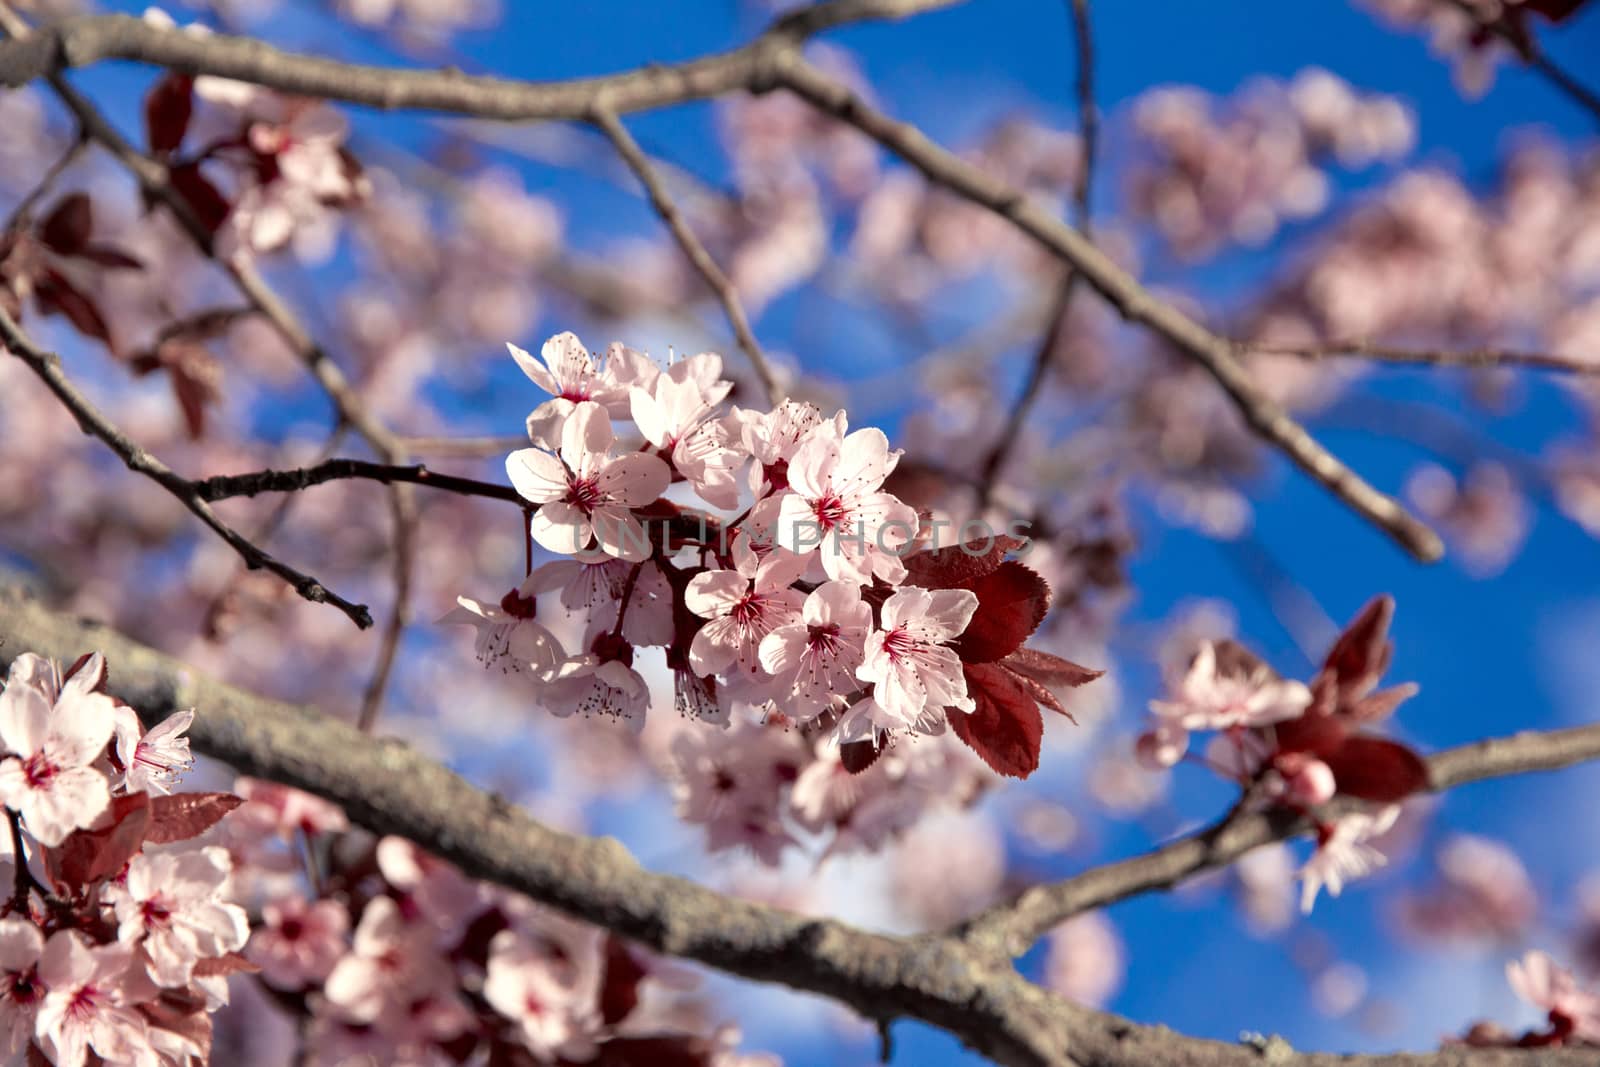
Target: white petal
(536, 475)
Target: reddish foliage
(949, 568)
(94, 855)
(619, 989)
(1012, 602)
(185, 815)
(1005, 728)
(168, 107)
(1372, 768)
(66, 229)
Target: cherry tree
(325, 682)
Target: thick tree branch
(389, 788)
(693, 250)
(47, 365)
(1013, 926)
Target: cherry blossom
(171, 905)
(601, 682)
(552, 1003)
(1344, 853)
(155, 759)
(1538, 980)
(87, 1005)
(387, 963)
(1213, 696)
(509, 634)
(21, 990)
(299, 940)
(837, 506)
(51, 780)
(586, 494)
(813, 660)
(571, 376)
(915, 675)
(742, 608)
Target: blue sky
(1492, 656)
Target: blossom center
(39, 769)
(830, 511)
(899, 645)
(21, 988)
(823, 640)
(584, 494)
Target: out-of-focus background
(1322, 137)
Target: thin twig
(1089, 135)
(227, 486)
(1479, 358)
(1523, 43)
(47, 365)
(693, 250)
(1217, 355)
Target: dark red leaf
(1554, 10)
(619, 991)
(208, 205)
(66, 229)
(88, 856)
(1363, 650)
(1040, 692)
(1012, 602)
(676, 1050)
(947, 568)
(1375, 707)
(1375, 769)
(56, 295)
(1005, 728)
(857, 756)
(1049, 669)
(168, 107)
(1312, 732)
(185, 815)
(110, 257)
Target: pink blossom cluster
(820, 600)
(384, 953)
(1210, 178)
(119, 933)
(1298, 746)
(1475, 35)
(766, 787)
(1572, 1012)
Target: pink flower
(51, 780)
(813, 660)
(388, 963)
(1085, 960)
(86, 1003)
(1213, 697)
(743, 607)
(153, 760)
(1343, 853)
(433, 890)
(592, 583)
(772, 438)
(285, 811)
(21, 990)
(171, 905)
(601, 682)
(837, 506)
(586, 494)
(1541, 982)
(915, 676)
(299, 941)
(674, 413)
(552, 1001)
(509, 634)
(571, 376)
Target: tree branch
(1481, 358)
(388, 788)
(227, 486)
(47, 365)
(771, 60)
(608, 122)
(1013, 926)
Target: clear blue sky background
(1521, 650)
